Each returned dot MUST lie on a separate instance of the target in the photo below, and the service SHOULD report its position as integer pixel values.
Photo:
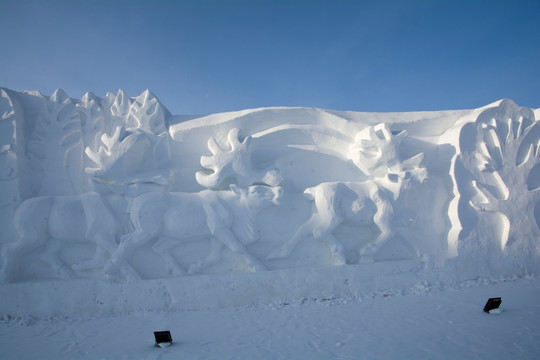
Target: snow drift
(104, 198)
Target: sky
(201, 57)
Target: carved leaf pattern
(506, 152)
(58, 123)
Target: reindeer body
(48, 220)
(226, 217)
(335, 203)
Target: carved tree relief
(55, 148)
(501, 153)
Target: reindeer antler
(375, 149)
(376, 152)
(231, 160)
(107, 154)
(233, 137)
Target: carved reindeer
(128, 162)
(375, 152)
(375, 149)
(233, 164)
(372, 201)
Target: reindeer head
(121, 159)
(232, 163)
(375, 149)
(404, 174)
(375, 152)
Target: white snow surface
(266, 233)
(428, 321)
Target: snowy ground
(428, 321)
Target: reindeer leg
(226, 237)
(11, 254)
(97, 261)
(336, 248)
(382, 219)
(7, 262)
(125, 268)
(52, 258)
(286, 249)
(322, 231)
(118, 260)
(103, 246)
(211, 258)
(163, 248)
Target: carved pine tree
(147, 114)
(116, 109)
(55, 148)
(93, 124)
(8, 148)
(92, 118)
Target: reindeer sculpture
(233, 164)
(375, 152)
(130, 163)
(53, 220)
(227, 218)
(125, 166)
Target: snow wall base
(65, 298)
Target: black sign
(492, 303)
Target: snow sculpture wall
(497, 176)
(119, 188)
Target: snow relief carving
(129, 163)
(118, 188)
(49, 221)
(365, 203)
(232, 163)
(55, 146)
(498, 176)
(228, 217)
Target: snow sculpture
(227, 217)
(55, 148)
(63, 206)
(360, 203)
(498, 178)
(93, 126)
(50, 220)
(9, 194)
(232, 164)
(118, 106)
(129, 163)
(135, 158)
(72, 166)
(147, 114)
(8, 156)
(92, 118)
(375, 152)
(144, 113)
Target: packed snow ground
(427, 321)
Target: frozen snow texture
(94, 181)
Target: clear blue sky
(214, 56)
